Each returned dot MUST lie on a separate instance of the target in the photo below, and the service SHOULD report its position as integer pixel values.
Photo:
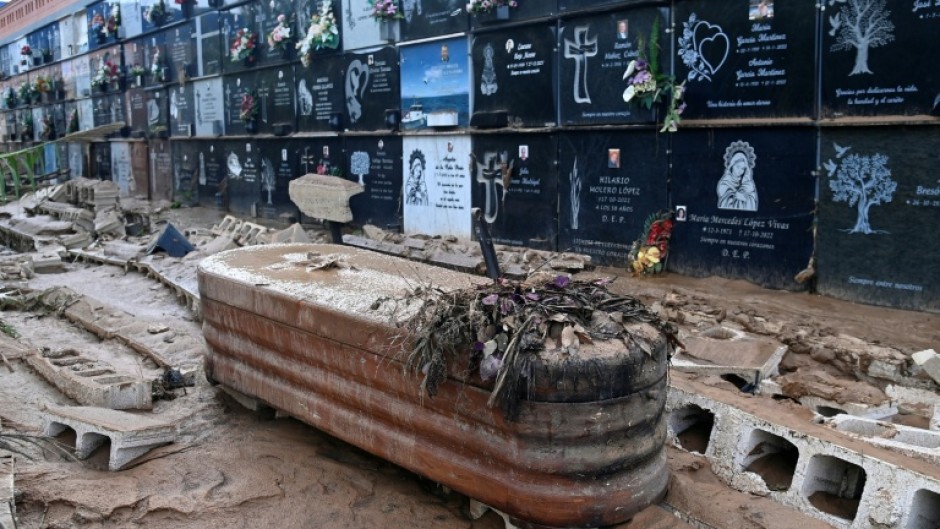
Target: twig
(6, 362)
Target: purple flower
(562, 281)
(489, 367)
(641, 64)
(478, 346)
(506, 306)
(532, 296)
(491, 299)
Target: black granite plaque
(101, 160)
(158, 119)
(211, 171)
(515, 184)
(59, 118)
(276, 99)
(375, 163)
(320, 93)
(161, 170)
(44, 43)
(749, 58)
(180, 46)
(594, 53)
(209, 43)
(513, 73)
(879, 58)
(156, 60)
(524, 10)
(153, 19)
(879, 204)
(747, 197)
(108, 109)
(186, 172)
(372, 86)
(243, 17)
(243, 176)
(319, 156)
(608, 185)
(278, 167)
(305, 10)
(97, 16)
(566, 6)
(182, 110)
(235, 88)
(136, 104)
(432, 18)
(269, 18)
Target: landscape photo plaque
(515, 185)
(211, 171)
(879, 58)
(436, 185)
(513, 74)
(746, 58)
(879, 199)
(431, 18)
(371, 87)
(609, 183)
(595, 52)
(743, 202)
(320, 94)
(242, 176)
(209, 115)
(182, 110)
(435, 84)
(375, 162)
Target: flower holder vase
(187, 8)
(47, 57)
(251, 126)
(388, 30)
(100, 37)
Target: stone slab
(324, 196)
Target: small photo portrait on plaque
(510, 45)
(523, 152)
(623, 29)
(681, 213)
(613, 158)
(445, 53)
(760, 9)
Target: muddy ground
(233, 468)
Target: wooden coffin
(586, 449)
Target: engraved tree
(359, 165)
(863, 182)
(268, 179)
(861, 24)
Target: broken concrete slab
(7, 492)
(131, 435)
(293, 234)
(929, 361)
(219, 244)
(464, 263)
(372, 244)
(726, 351)
(915, 442)
(324, 196)
(91, 381)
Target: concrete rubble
(131, 435)
(91, 381)
(7, 492)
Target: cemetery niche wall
(879, 58)
(743, 202)
(878, 212)
(594, 53)
(515, 184)
(746, 59)
(435, 84)
(608, 184)
(512, 73)
(375, 162)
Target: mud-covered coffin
(586, 450)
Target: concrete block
(294, 234)
(829, 408)
(131, 435)
(836, 478)
(914, 442)
(228, 225)
(92, 382)
(250, 234)
(372, 244)
(464, 263)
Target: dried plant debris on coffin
(505, 324)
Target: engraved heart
(712, 45)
